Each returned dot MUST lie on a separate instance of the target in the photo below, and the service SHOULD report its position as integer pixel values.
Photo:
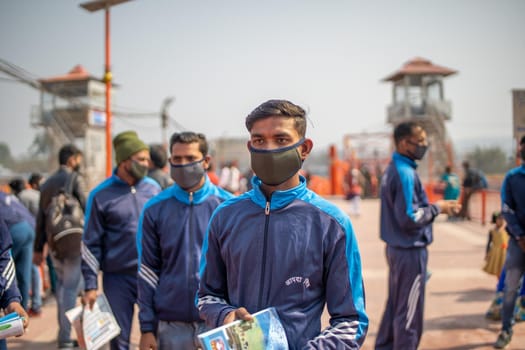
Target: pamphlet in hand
(11, 325)
(265, 332)
(95, 327)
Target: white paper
(94, 327)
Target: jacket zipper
(192, 242)
(265, 248)
(134, 192)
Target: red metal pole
(107, 79)
(483, 206)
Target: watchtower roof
(419, 66)
(78, 73)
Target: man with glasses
(406, 227)
(169, 240)
(108, 243)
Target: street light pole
(93, 6)
(107, 79)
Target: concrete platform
(458, 293)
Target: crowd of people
(196, 250)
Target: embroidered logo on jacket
(298, 280)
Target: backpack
(65, 222)
(480, 180)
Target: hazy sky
(220, 59)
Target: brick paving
(458, 293)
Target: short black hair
(522, 141)
(190, 137)
(35, 178)
(66, 152)
(158, 155)
(495, 215)
(17, 185)
(279, 108)
(404, 130)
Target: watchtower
(418, 95)
(72, 111)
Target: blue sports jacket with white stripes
(111, 221)
(8, 289)
(406, 214)
(513, 201)
(296, 252)
(169, 241)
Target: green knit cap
(126, 144)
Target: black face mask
(419, 152)
(275, 166)
(137, 170)
(187, 175)
(522, 154)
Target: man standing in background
(513, 210)
(406, 228)
(109, 241)
(169, 241)
(68, 277)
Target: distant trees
(6, 158)
(492, 160)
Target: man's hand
(148, 341)
(449, 207)
(89, 298)
(16, 307)
(38, 258)
(238, 314)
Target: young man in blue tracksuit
(109, 240)
(10, 298)
(171, 231)
(406, 227)
(513, 210)
(281, 245)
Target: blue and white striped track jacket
(111, 221)
(169, 241)
(296, 252)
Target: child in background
(496, 246)
(494, 265)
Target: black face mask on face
(522, 153)
(187, 175)
(275, 166)
(137, 170)
(419, 152)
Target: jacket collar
(279, 199)
(198, 196)
(399, 158)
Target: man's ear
(306, 148)
(206, 163)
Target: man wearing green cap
(108, 243)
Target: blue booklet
(265, 332)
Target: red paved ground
(458, 293)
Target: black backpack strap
(70, 182)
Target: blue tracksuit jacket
(406, 215)
(296, 252)
(169, 241)
(8, 289)
(111, 220)
(513, 201)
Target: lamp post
(93, 6)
